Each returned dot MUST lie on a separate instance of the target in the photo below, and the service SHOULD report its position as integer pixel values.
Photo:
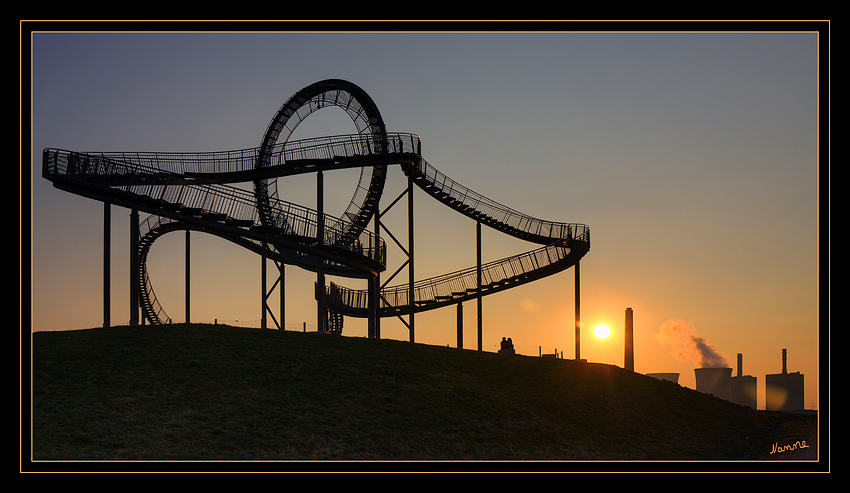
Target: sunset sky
(692, 157)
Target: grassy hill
(212, 392)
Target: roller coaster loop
(197, 191)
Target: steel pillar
(578, 312)
(374, 286)
(281, 279)
(107, 234)
(187, 277)
(374, 293)
(266, 294)
(372, 301)
(410, 294)
(263, 323)
(478, 275)
(460, 325)
(134, 267)
(320, 238)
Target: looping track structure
(197, 191)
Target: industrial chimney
(629, 341)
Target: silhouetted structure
(744, 387)
(670, 377)
(629, 341)
(195, 191)
(784, 391)
(715, 381)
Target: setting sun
(602, 331)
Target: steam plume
(679, 335)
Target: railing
(148, 300)
(457, 284)
(345, 146)
(497, 212)
(183, 164)
(148, 184)
(163, 177)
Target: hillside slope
(211, 392)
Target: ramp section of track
(565, 244)
(489, 212)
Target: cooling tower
(670, 377)
(715, 381)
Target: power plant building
(744, 387)
(783, 391)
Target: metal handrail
(500, 214)
(105, 172)
(457, 284)
(165, 177)
(146, 227)
(241, 160)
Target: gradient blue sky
(693, 157)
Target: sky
(692, 157)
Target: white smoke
(686, 346)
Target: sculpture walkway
(199, 191)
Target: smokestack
(629, 341)
(784, 369)
(740, 365)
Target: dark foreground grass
(219, 393)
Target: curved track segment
(366, 117)
(565, 244)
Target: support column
(410, 293)
(187, 277)
(266, 294)
(578, 312)
(107, 234)
(371, 302)
(460, 325)
(478, 275)
(282, 286)
(263, 323)
(134, 267)
(374, 287)
(320, 238)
